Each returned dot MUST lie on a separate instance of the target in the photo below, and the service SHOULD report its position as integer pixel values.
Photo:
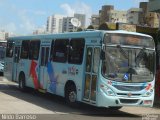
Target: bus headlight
(108, 91)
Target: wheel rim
(72, 96)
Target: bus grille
(129, 88)
(128, 101)
(126, 94)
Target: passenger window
(96, 59)
(25, 49)
(89, 59)
(60, 50)
(34, 50)
(52, 49)
(10, 48)
(76, 51)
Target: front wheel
(71, 95)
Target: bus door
(91, 73)
(43, 76)
(15, 63)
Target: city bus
(108, 69)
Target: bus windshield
(128, 64)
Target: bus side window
(9, 50)
(52, 50)
(60, 50)
(76, 51)
(34, 50)
(25, 49)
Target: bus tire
(22, 85)
(71, 95)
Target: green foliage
(90, 27)
(79, 29)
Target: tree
(90, 27)
(79, 29)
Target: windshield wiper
(122, 51)
(140, 55)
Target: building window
(34, 50)
(60, 50)
(76, 50)
(25, 49)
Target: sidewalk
(3, 80)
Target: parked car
(1, 68)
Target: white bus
(102, 68)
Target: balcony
(154, 5)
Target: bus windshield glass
(129, 64)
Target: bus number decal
(53, 79)
(33, 74)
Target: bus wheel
(71, 95)
(22, 86)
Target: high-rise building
(154, 6)
(81, 18)
(116, 16)
(104, 13)
(142, 15)
(67, 25)
(39, 31)
(3, 35)
(152, 20)
(133, 15)
(54, 24)
(147, 18)
(95, 20)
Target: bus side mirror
(102, 55)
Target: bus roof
(129, 33)
(92, 33)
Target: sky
(23, 16)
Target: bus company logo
(109, 82)
(72, 70)
(129, 94)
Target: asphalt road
(15, 104)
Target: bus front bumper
(111, 101)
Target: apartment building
(81, 18)
(54, 24)
(116, 16)
(3, 35)
(104, 13)
(67, 26)
(133, 15)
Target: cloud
(39, 12)
(11, 27)
(19, 20)
(26, 22)
(77, 7)
(69, 10)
